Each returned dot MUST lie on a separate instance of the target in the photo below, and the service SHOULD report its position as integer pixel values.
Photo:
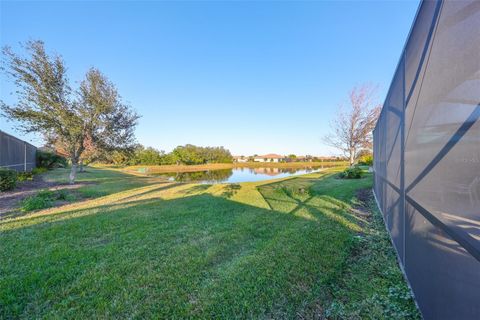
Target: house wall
(267, 160)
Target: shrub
(366, 160)
(50, 160)
(45, 199)
(24, 176)
(8, 179)
(351, 173)
(28, 175)
(64, 195)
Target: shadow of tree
(294, 195)
(198, 255)
(218, 244)
(61, 212)
(196, 189)
(230, 190)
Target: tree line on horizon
(187, 155)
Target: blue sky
(255, 77)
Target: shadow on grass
(220, 246)
(195, 189)
(294, 195)
(162, 187)
(9, 214)
(230, 190)
(88, 205)
(281, 197)
(199, 255)
(104, 177)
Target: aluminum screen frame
(16, 154)
(427, 159)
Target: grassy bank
(219, 166)
(301, 247)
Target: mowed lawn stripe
(158, 249)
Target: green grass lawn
(144, 247)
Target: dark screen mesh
(16, 154)
(427, 159)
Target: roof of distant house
(270, 156)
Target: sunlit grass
(147, 247)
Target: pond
(236, 175)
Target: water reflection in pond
(236, 175)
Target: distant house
(240, 159)
(271, 157)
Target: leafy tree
(49, 160)
(147, 156)
(365, 157)
(216, 155)
(169, 158)
(292, 156)
(119, 157)
(190, 154)
(353, 125)
(48, 105)
(90, 153)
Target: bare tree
(353, 124)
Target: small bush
(8, 179)
(24, 176)
(45, 199)
(64, 195)
(366, 160)
(28, 175)
(351, 173)
(50, 160)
